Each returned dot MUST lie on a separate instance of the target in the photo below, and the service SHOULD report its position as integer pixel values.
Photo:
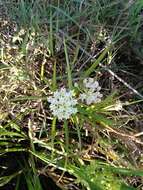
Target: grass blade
(68, 67)
(97, 62)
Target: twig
(138, 134)
(123, 135)
(122, 81)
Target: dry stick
(122, 81)
(138, 134)
(107, 69)
(123, 135)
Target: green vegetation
(71, 95)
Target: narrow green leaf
(96, 63)
(68, 67)
(101, 119)
(16, 149)
(66, 135)
(11, 134)
(54, 80)
(28, 98)
(42, 69)
(118, 170)
(6, 179)
(51, 40)
(78, 130)
(44, 157)
(53, 133)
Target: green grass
(45, 46)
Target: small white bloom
(91, 92)
(90, 97)
(90, 83)
(62, 104)
(76, 84)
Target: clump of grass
(92, 147)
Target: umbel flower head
(91, 92)
(62, 104)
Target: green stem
(53, 133)
(66, 135)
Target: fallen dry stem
(123, 135)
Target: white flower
(90, 97)
(91, 84)
(91, 92)
(62, 104)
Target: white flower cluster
(62, 104)
(91, 92)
